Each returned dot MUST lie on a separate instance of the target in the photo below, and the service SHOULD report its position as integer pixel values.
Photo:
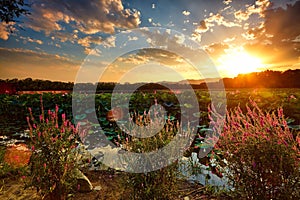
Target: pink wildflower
(63, 116)
(41, 118)
(280, 112)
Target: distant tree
(12, 9)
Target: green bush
(160, 184)
(262, 154)
(53, 161)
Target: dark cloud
(202, 27)
(278, 37)
(283, 24)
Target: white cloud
(134, 38)
(186, 13)
(109, 42)
(196, 36)
(227, 2)
(29, 39)
(227, 40)
(297, 39)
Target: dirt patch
(109, 186)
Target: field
(15, 108)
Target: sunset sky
(239, 36)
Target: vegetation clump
(159, 184)
(261, 153)
(53, 162)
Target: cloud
(89, 17)
(92, 52)
(215, 50)
(109, 42)
(133, 59)
(277, 35)
(186, 13)
(144, 56)
(220, 20)
(88, 40)
(297, 39)
(157, 57)
(196, 37)
(227, 2)
(259, 8)
(132, 38)
(29, 39)
(211, 21)
(227, 40)
(202, 28)
(22, 63)
(6, 29)
(64, 36)
(242, 15)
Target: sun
(238, 61)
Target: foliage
(276, 79)
(261, 153)
(13, 108)
(160, 184)
(53, 161)
(11, 9)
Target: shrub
(261, 152)
(53, 161)
(159, 184)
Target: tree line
(265, 79)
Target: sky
(150, 40)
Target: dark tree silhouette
(12, 9)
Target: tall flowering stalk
(53, 159)
(160, 184)
(262, 153)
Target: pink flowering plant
(54, 157)
(159, 184)
(261, 152)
